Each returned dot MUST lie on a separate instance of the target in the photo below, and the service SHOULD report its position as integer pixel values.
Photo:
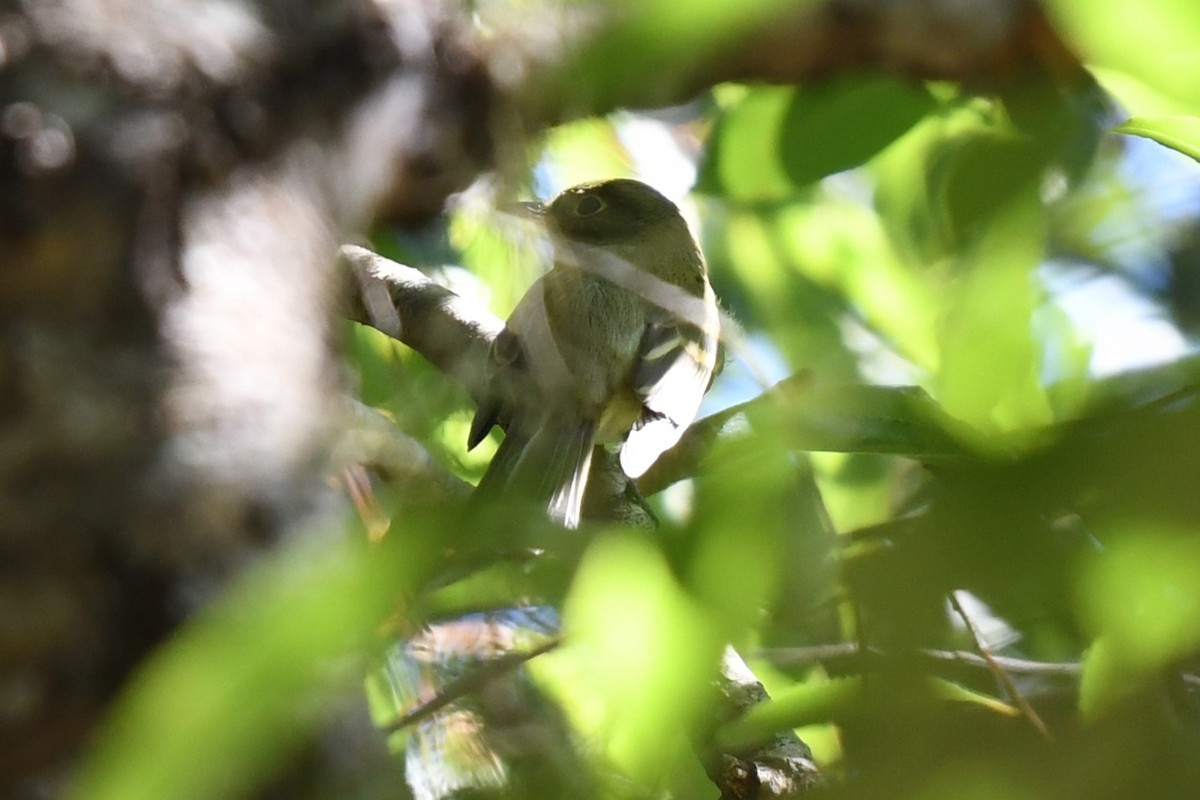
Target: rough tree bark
(174, 182)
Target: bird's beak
(528, 209)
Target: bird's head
(630, 220)
(612, 211)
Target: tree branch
(997, 669)
(471, 682)
(781, 767)
(453, 333)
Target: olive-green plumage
(618, 341)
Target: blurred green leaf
(375, 356)
(838, 698)
(638, 658)
(908, 172)
(1155, 41)
(841, 245)
(858, 418)
(586, 150)
(802, 704)
(1068, 358)
(753, 275)
(991, 362)
(1142, 599)
(741, 521)
(1135, 96)
(500, 250)
(1107, 679)
(823, 739)
(743, 153)
(218, 707)
(1181, 133)
(984, 172)
(857, 490)
(976, 781)
(774, 141)
(841, 124)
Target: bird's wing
(674, 369)
(546, 465)
(545, 456)
(506, 356)
(526, 345)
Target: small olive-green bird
(616, 344)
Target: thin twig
(998, 671)
(824, 653)
(471, 682)
(357, 484)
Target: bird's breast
(622, 413)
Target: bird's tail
(549, 467)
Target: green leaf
(734, 568)
(1180, 133)
(803, 704)
(1143, 594)
(908, 194)
(638, 657)
(835, 126)
(742, 159)
(586, 150)
(1154, 41)
(982, 173)
(241, 686)
(1136, 96)
(859, 418)
(991, 360)
(842, 245)
(775, 141)
(813, 703)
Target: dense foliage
(981, 297)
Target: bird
(615, 345)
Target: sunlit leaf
(1152, 40)
(500, 249)
(775, 141)
(585, 150)
(991, 362)
(743, 159)
(224, 701)
(638, 656)
(734, 568)
(1143, 596)
(1135, 96)
(857, 490)
(755, 277)
(1181, 133)
(839, 125)
(375, 356)
(809, 704)
(841, 244)
(1068, 359)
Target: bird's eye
(589, 205)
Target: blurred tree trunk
(175, 179)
